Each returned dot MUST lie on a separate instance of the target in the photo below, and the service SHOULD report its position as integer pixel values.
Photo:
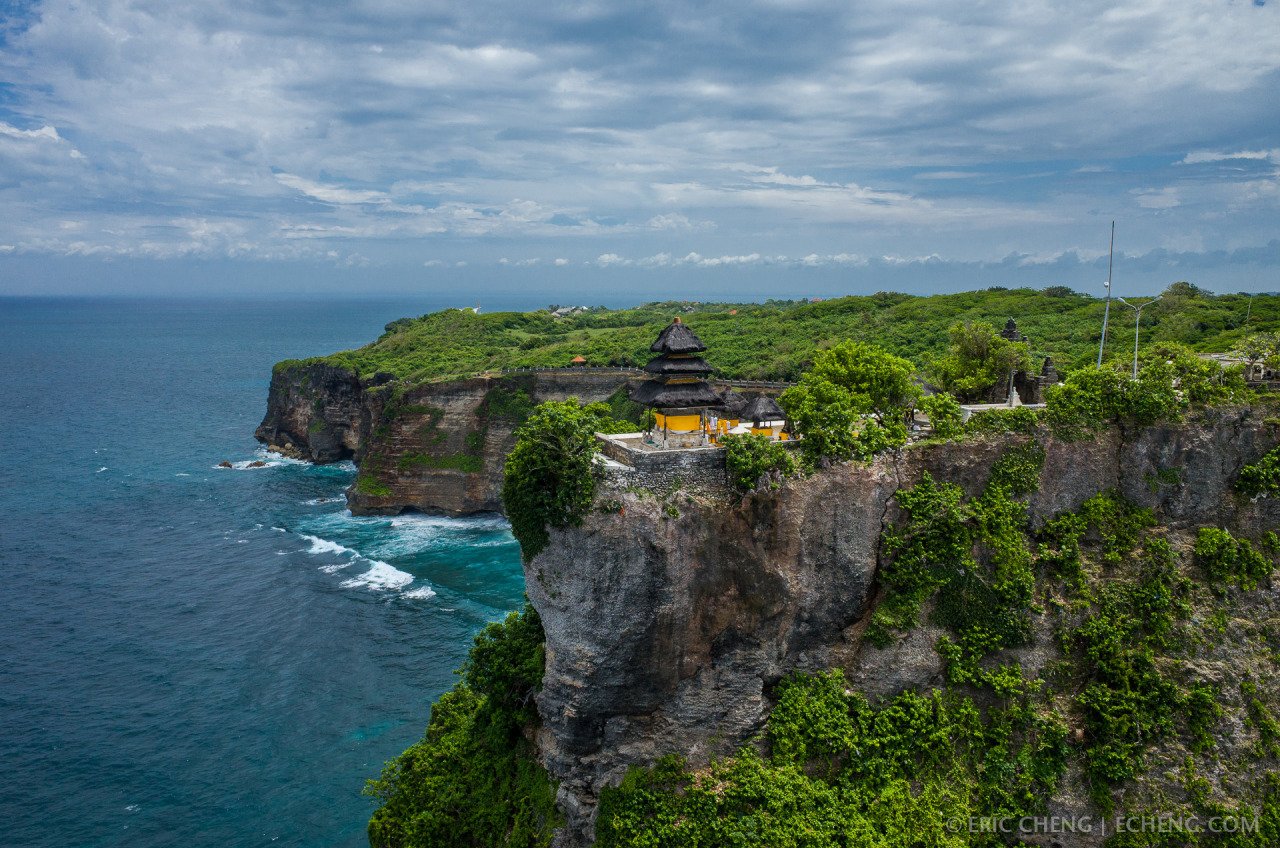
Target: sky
(620, 152)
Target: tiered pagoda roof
(678, 373)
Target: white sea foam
(335, 568)
(420, 594)
(380, 576)
(182, 474)
(324, 546)
(100, 470)
(248, 465)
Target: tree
(1261, 347)
(549, 480)
(751, 456)
(978, 360)
(852, 402)
(945, 415)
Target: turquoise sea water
(202, 657)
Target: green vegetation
(776, 340)
(945, 415)
(852, 403)
(1171, 380)
(974, 556)
(1261, 477)
(1018, 419)
(977, 359)
(841, 772)
(473, 779)
(1130, 700)
(1228, 561)
(367, 484)
(750, 456)
(549, 479)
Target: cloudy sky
(773, 148)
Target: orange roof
(578, 359)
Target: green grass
(778, 339)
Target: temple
(678, 393)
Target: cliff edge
(670, 617)
(435, 447)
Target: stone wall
(693, 469)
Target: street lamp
(1111, 255)
(1137, 321)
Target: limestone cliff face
(434, 447)
(669, 618)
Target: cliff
(434, 447)
(670, 617)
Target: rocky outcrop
(669, 618)
(316, 412)
(432, 447)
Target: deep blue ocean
(192, 656)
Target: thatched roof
(680, 366)
(734, 402)
(676, 337)
(662, 395)
(763, 408)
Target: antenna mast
(1107, 312)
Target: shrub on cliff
(751, 456)
(473, 780)
(1171, 379)
(841, 772)
(549, 480)
(1261, 477)
(851, 403)
(945, 415)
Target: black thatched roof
(680, 366)
(662, 395)
(763, 408)
(734, 402)
(676, 337)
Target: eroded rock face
(315, 412)
(434, 447)
(668, 621)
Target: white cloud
(386, 128)
(1162, 198)
(330, 194)
(1202, 156)
(46, 132)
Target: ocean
(198, 656)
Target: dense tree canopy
(775, 340)
(852, 402)
(548, 480)
(977, 361)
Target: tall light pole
(1111, 255)
(1137, 321)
